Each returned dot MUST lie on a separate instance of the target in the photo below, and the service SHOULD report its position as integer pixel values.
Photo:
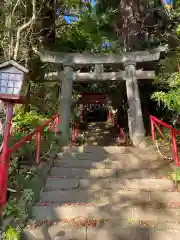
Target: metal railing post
(38, 147)
(174, 146)
(152, 129)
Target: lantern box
(14, 82)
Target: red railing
(119, 128)
(155, 122)
(75, 132)
(53, 125)
(121, 133)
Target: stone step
(95, 142)
(103, 172)
(63, 184)
(95, 156)
(92, 156)
(97, 133)
(102, 152)
(134, 232)
(83, 157)
(87, 164)
(125, 159)
(96, 196)
(94, 136)
(129, 161)
(107, 212)
(122, 183)
(100, 141)
(142, 173)
(98, 230)
(92, 153)
(106, 150)
(110, 183)
(54, 231)
(82, 173)
(108, 196)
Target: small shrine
(93, 106)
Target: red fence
(119, 128)
(52, 123)
(75, 132)
(157, 123)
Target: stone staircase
(106, 193)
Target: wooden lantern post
(13, 90)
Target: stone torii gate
(70, 61)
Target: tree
(168, 79)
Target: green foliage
(19, 208)
(95, 25)
(85, 35)
(168, 81)
(27, 122)
(12, 234)
(175, 176)
(178, 30)
(21, 182)
(170, 99)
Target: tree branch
(15, 7)
(23, 28)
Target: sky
(168, 2)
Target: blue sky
(72, 19)
(168, 2)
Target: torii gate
(129, 60)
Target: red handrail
(52, 123)
(174, 133)
(119, 128)
(75, 132)
(37, 131)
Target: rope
(165, 157)
(157, 146)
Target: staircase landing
(98, 135)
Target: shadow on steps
(128, 203)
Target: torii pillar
(135, 117)
(65, 102)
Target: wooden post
(81, 109)
(135, 118)
(65, 102)
(99, 68)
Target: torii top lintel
(99, 58)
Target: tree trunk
(46, 24)
(129, 25)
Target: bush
(27, 122)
